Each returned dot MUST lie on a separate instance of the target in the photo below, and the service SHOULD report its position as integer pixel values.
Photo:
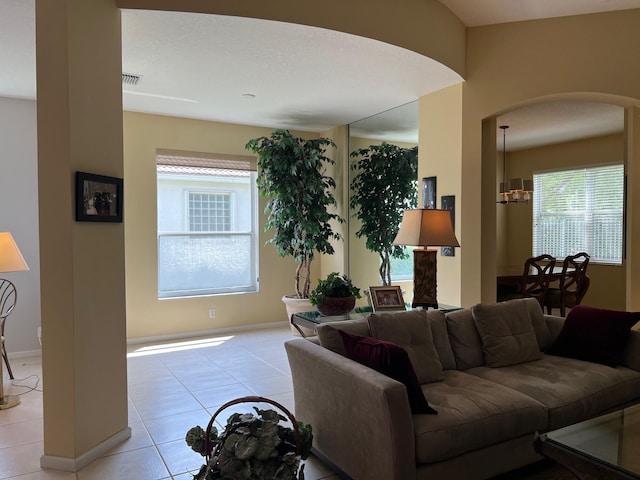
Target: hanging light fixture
(516, 190)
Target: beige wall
(607, 289)
(79, 120)
(584, 57)
(440, 155)
(146, 315)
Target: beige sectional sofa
(492, 393)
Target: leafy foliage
(335, 285)
(252, 448)
(384, 187)
(291, 171)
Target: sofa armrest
(361, 419)
(631, 357)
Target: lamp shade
(11, 260)
(425, 227)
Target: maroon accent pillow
(389, 359)
(595, 335)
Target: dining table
(509, 277)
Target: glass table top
(612, 439)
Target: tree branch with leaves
(291, 172)
(385, 185)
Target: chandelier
(516, 190)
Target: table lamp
(11, 260)
(424, 227)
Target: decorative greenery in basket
(252, 447)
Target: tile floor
(173, 386)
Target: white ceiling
(209, 67)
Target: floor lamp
(424, 227)
(11, 260)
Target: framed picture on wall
(448, 202)
(98, 198)
(429, 192)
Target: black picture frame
(429, 192)
(98, 198)
(448, 202)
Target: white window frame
(194, 163)
(556, 239)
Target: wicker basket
(212, 449)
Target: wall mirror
(397, 126)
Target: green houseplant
(335, 295)
(252, 447)
(291, 172)
(385, 185)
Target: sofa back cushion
(329, 335)
(465, 340)
(411, 331)
(506, 332)
(540, 326)
(390, 360)
(440, 334)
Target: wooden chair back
(536, 277)
(574, 282)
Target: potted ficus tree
(385, 185)
(292, 174)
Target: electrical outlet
(212, 313)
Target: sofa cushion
(329, 337)
(472, 413)
(572, 390)
(390, 360)
(595, 334)
(506, 332)
(438, 324)
(465, 340)
(540, 325)
(412, 332)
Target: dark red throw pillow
(389, 359)
(595, 335)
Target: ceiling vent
(130, 79)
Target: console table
(311, 320)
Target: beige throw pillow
(506, 332)
(411, 331)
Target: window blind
(580, 210)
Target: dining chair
(573, 284)
(7, 304)
(536, 277)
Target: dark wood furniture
(572, 285)
(530, 280)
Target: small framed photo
(386, 298)
(429, 192)
(98, 198)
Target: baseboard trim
(173, 336)
(204, 333)
(25, 354)
(65, 464)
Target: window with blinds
(207, 224)
(580, 210)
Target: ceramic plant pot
(336, 305)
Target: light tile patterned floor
(172, 387)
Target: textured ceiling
(274, 74)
